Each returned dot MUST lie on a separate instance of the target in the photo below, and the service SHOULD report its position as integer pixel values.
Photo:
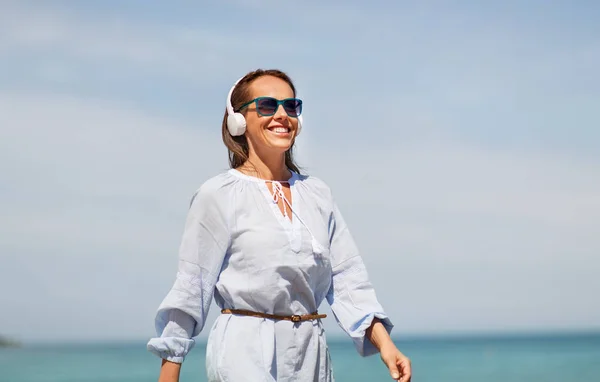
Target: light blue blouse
(239, 248)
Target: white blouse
(238, 247)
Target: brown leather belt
(293, 318)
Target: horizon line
(338, 337)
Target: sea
(516, 358)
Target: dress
(239, 249)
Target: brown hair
(238, 146)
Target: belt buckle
(296, 318)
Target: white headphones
(236, 123)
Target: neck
(270, 167)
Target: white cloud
(179, 52)
(67, 147)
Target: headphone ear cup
(299, 125)
(236, 124)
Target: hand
(397, 363)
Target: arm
(182, 313)
(378, 335)
(351, 295)
(354, 302)
(169, 371)
(398, 364)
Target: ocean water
(568, 358)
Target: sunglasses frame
(279, 102)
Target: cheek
(255, 125)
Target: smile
(279, 130)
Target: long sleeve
(182, 313)
(351, 295)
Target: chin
(280, 143)
(281, 146)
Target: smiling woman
(270, 245)
(285, 124)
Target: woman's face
(270, 134)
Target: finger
(394, 371)
(406, 370)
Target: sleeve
(182, 313)
(351, 295)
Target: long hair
(238, 146)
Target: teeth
(280, 130)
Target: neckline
(292, 227)
(241, 175)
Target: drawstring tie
(278, 193)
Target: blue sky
(461, 140)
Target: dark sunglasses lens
(293, 107)
(266, 106)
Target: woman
(271, 245)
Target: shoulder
(319, 190)
(214, 190)
(315, 183)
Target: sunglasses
(267, 106)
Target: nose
(280, 112)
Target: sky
(461, 140)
